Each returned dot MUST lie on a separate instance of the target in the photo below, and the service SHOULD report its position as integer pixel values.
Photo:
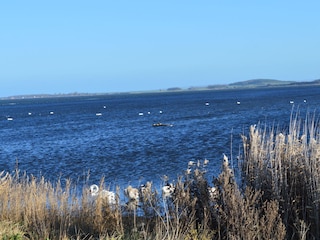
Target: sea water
(112, 136)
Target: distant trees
(174, 89)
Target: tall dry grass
(197, 209)
(284, 165)
(32, 208)
(278, 198)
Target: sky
(52, 47)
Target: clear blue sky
(114, 46)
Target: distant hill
(261, 83)
(314, 82)
(251, 84)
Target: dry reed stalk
(10, 230)
(174, 224)
(246, 215)
(290, 174)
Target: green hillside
(260, 83)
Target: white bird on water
(105, 194)
(213, 192)
(226, 166)
(146, 189)
(205, 162)
(132, 193)
(133, 196)
(225, 160)
(168, 190)
(191, 163)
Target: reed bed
(32, 208)
(284, 164)
(277, 198)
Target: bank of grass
(278, 198)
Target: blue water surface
(111, 136)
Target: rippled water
(64, 137)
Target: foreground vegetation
(276, 197)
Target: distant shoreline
(249, 84)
